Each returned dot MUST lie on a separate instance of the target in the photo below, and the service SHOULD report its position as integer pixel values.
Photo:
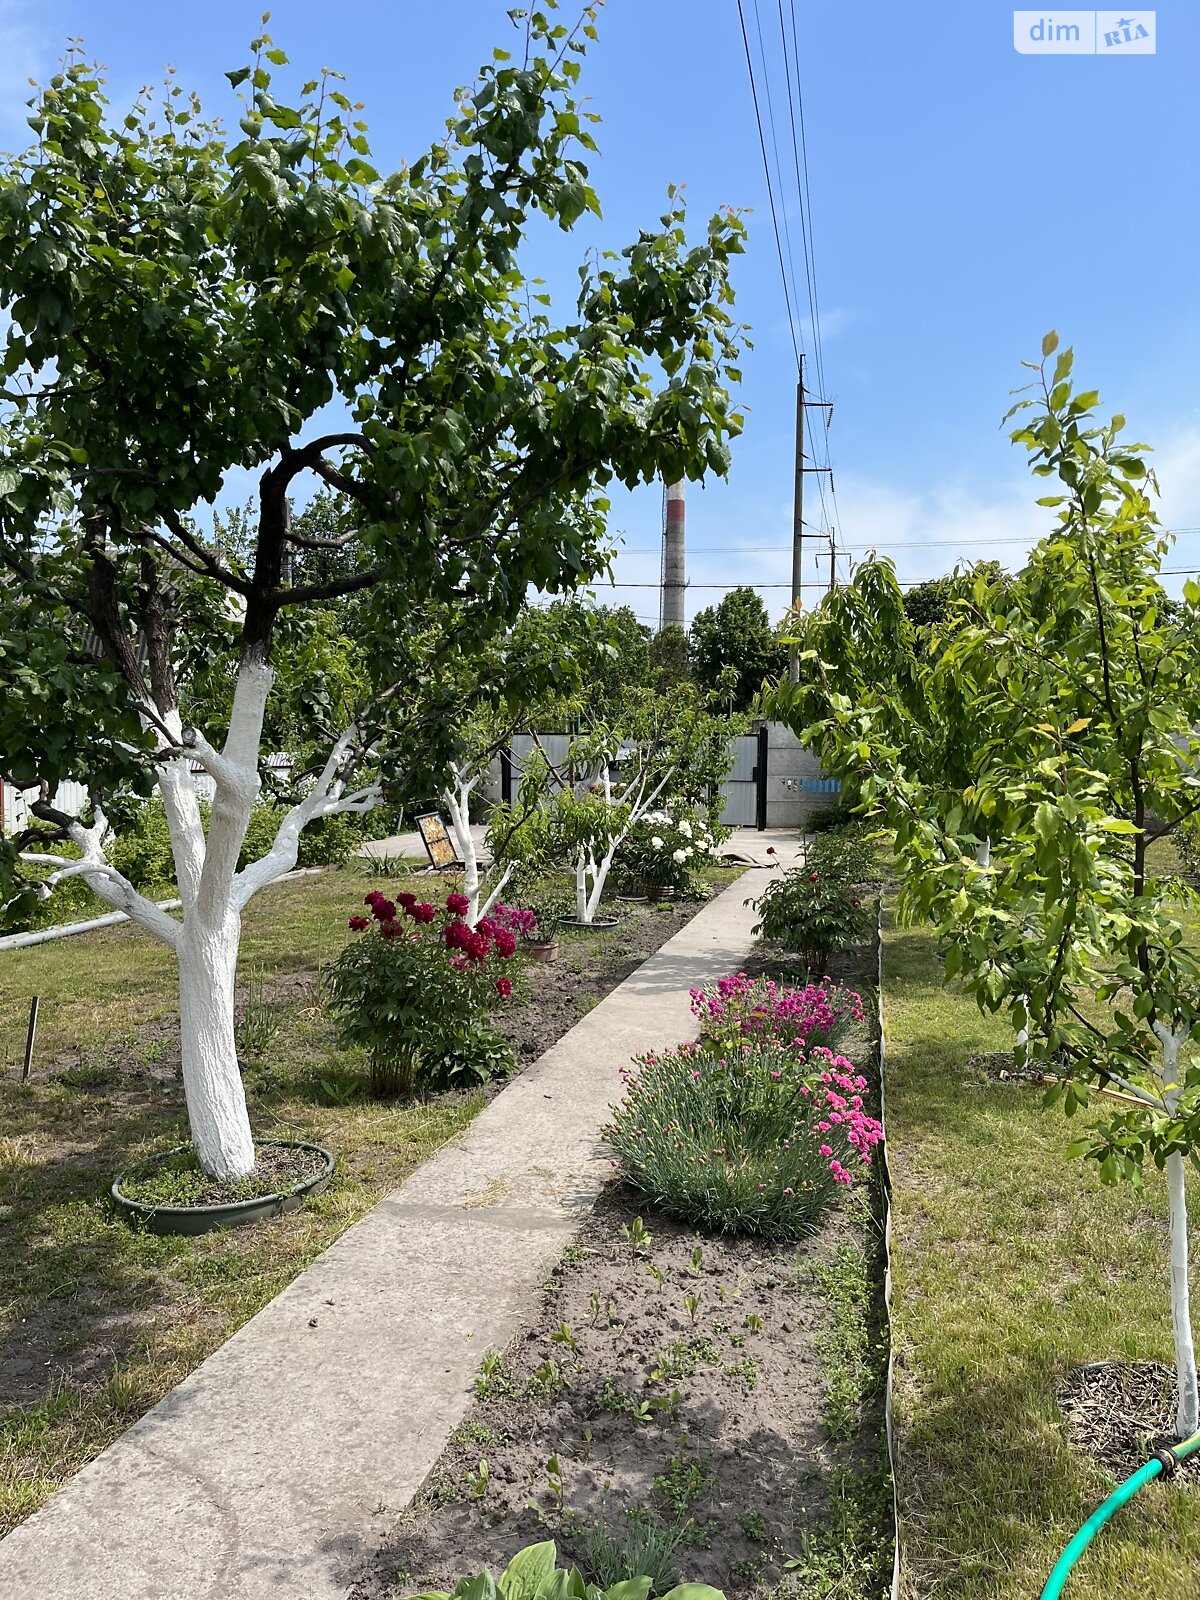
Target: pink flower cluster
(838, 1103)
(515, 920)
(757, 1008)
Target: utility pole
(802, 404)
(798, 520)
(832, 561)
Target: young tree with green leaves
(181, 305)
(1076, 685)
(737, 633)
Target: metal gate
(744, 790)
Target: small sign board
(435, 836)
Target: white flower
(656, 843)
(706, 840)
(685, 829)
(688, 851)
(680, 856)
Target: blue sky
(965, 198)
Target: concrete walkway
(264, 1473)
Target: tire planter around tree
(596, 925)
(193, 1220)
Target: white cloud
(837, 320)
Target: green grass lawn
(1012, 1265)
(97, 1319)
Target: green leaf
(1049, 344)
(631, 1589)
(694, 1591)
(528, 1569)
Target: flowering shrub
(757, 1139)
(813, 913)
(520, 921)
(667, 848)
(739, 1007)
(416, 992)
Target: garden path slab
(268, 1470)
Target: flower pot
(545, 952)
(192, 1220)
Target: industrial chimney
(674, 579)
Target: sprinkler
(1161, 1462)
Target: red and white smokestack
(674, 570)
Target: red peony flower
(458, 903)
(504, 987)
(770, 849)
(392, 930)
(477, 947)
(422, 911)
(457, 935)
(812, 877)
(486, 927)
(408, 900)
(505, 943)
(384, 910)
(359, 923)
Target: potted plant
(540, 940)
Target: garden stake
(30, 1037)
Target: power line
(770, 187)
(878, 544)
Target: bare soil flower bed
(680, 1400)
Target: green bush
(142, 850)
(745, 1141)
(416, 990)
(328, 842)
(844, 854)
(814, 912)
(1187, 846)
(821, 819)
(534, 1574)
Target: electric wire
(770, 186)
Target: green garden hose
(1165, 1461)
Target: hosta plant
(740, 1007)
(416, 990)
(756, 1139)
(534, 1574)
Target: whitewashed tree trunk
(587, 867)
(212, 1080)
(458, 804)
(1187, 1418)
(213, 893)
